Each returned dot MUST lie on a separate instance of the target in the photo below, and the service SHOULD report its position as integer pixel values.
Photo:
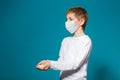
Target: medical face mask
(71, 26)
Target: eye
(70, 19)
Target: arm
(72, 62)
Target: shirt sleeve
(74, 59)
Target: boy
(74, 51)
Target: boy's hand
(43, 65)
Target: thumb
(42, 62)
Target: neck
(79, 32)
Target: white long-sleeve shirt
(73, 58)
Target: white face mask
(71, 26)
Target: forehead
(70, 15)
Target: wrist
(49, 63)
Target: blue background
(32, 30)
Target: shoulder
(87, 40)
(66, 38)
(83, 40)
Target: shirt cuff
(51, 63)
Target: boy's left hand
(43, 65)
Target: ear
(81, 21)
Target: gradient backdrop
(32, 30)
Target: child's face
(72, 17)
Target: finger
(40, 67)
(46, 67)
(41, 62)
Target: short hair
(80, 12)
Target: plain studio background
(32, 30)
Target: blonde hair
(79, 13)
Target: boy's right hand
(43, 65)
(40, 65)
